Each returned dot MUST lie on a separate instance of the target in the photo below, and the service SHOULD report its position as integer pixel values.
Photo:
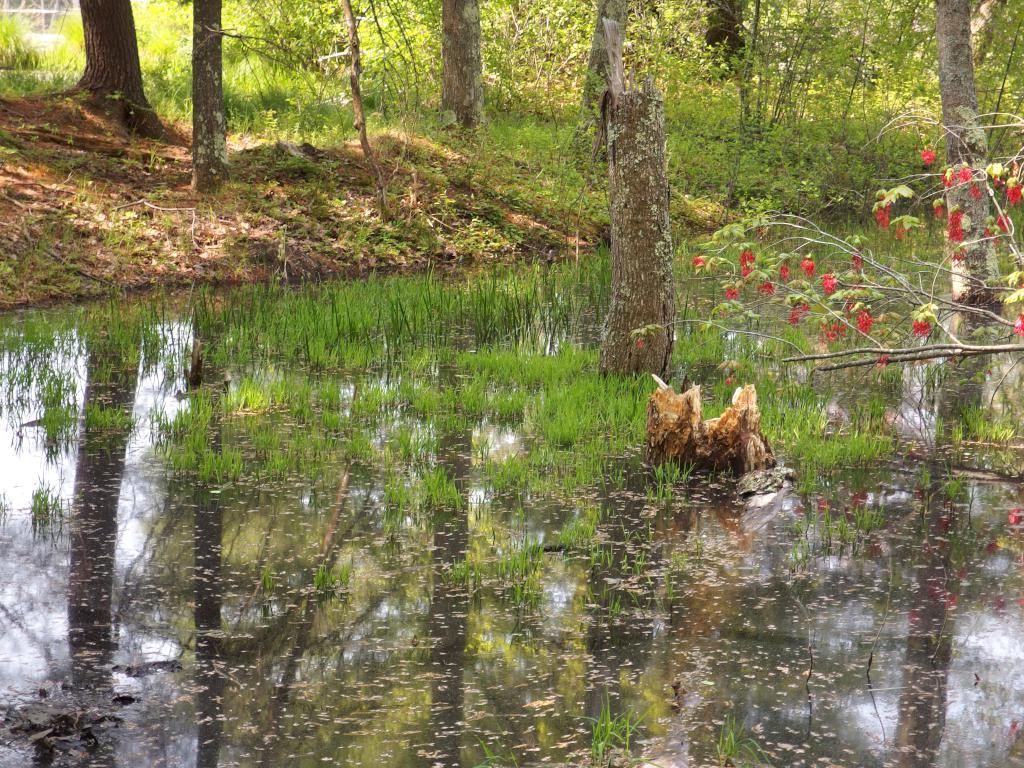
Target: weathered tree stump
(733, 441)
(638, 334)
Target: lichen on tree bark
(462, 90)
(638, 334)
(973, 261)
(209, 123)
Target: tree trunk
(462, 89)
(112, 64)
(725, 26)
(983, 27)
(355, 70)
(973, 260)
(209, 125)
(638, 332)
(597, 64)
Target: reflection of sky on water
(358, 679)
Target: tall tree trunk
(354, 72)
(462, 88)
(597, 64)
(725, 26)
(983, 27)
(112, 64)
(209, 125)
(638, 334)
(973, 260)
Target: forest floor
(86, 210)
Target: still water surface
(200, 607)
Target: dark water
(902, 647)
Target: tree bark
(597, 64)
(209, 124)
(112, 64)
(638, 334)
(966, 144)
(355, 70)
(462, 90)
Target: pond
(405, 523)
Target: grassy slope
(85, 210)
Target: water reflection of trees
(449, 610)
(341, 677)
(208, 578)
(99, 470)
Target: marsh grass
(610, 732)
(47, 510)
(328, 582)
(735, 748)
(103, 418)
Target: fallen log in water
(733, 441)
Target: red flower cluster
(922, 328)
(807, 265)
(1018, 327)
(698, 261)
(834, 331)
(858, 261)
(767, 288)
(1003, 221)
(1013, 192)
(864, 322)
(927, 155)
(966, 174)
(784, 272)
(901, 232)
(746, 269)
(1015, 516)
(746, 257)
(975, 191)
(956, 227)
(731, 294)
(948, 178)
(882, 215)
(829, 283)
(883, 360)
(798, 312)
(939, 209)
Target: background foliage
(823, 80)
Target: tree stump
(676, 432)
(638, 334)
